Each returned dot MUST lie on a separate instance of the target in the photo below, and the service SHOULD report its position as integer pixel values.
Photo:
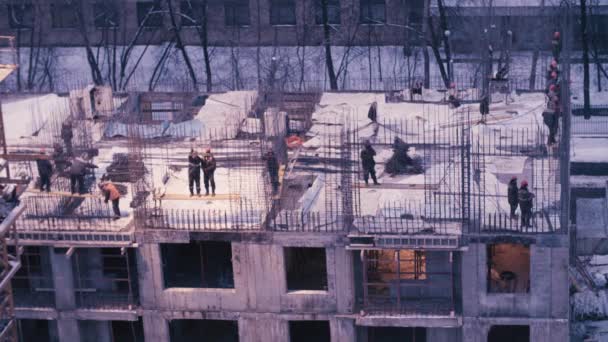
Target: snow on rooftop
(589, 150)
(32, 120)
(223, 113)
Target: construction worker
(194, 172)
(59, 157)
(372, 114)
(368, 163)
(512, 195)
(67, 135)
(77, 171)
(525, 197)
(484, 107)
(111, 193)
(272, 166)
(556, 45)
(45, 171)
(453, 101)
(209, 166)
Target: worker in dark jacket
(60, 159)
(512, 196)
(372, 114)
(209, 165)
(111, 193)
(525, 198)
(484, 107)
(368, 163)
(194, 172)
(556, 45)
(45, 171)
(67, 135)
(272, 166)
(77, 171)
(551, 121)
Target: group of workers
(208, 165)
(552, 113)
(521, 197)
(75, 168)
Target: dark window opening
(306, 331)
(333, 11)
(105, 277)
(389, 334)
(128, 331)
(105, 14)
(196, 330)
(149, 14)
(236, 12)
(372, 12)
(21, 16)
(306, 268)
(33, 282)
(192, 13)
(508, 268)
(35, 330)
(64, 16)
(509, 333)
(282, 12)
(204, 264)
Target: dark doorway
(390, 334)
(306, 331)
(196, 330)
(127, 331)
(509, 333)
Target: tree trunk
(435, 48)
(333, 81)
(586, 97)
(180, 45)
(532, 80)
(443, 24)
(205, 43)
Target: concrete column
(63, 278)
(343, 330)
(263, 330)
(104, 331)
(472, 261)
(156, 328)
(67, 329)
(149, 272)
(344, 280)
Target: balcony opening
(116, 331)
(128, 331)
(199, 264)
(37, 330)
(509, 333)
(386, 334)
(195, 330)
(105, 277)
(33, 282)
(406, 281)
(306, 268)
(305, 331)
(508, 268)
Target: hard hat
(524, 183)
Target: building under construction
(290, 243)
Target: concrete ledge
(409, 321)
(36, 313)
(102, 315)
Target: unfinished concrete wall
(541, 330)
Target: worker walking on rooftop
(209, 165)
(372, 114)
(484, 107)
(368, 163)
(272, 166)
(525, 197)
(77, 171)
(512, 196)
(67, 135)
(194, 172)
(45, 171)
(111, 193)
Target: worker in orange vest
(111, 193)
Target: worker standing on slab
(525, 197)
(45, 171)
(512, 195)
(194, 172)
(372, 113)
(272, 166)
(209, 165)
(111, 193)
(67, 135)
(484, 107)
(77, 171)
(368, 163)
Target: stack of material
(124, 170)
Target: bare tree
(333, 80)
(179, 43)
(585, 43)
(200, 20)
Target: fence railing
(198, 219)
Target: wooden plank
(187, 197)
(491, 119)
(62, 193)
(396, 186)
